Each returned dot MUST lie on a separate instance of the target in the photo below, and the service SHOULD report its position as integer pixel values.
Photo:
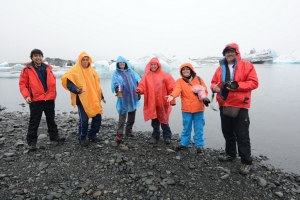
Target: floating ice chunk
(103, 68)
(10, 74)
(207, 60)
(142, 62)
(4, 64)
(17, 67)
(177, 61)
(135, 67)
(265, 56)
(292, 58)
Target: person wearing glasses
(233, 82)
(124, 82)
(192, 106)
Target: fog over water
(274, 113)
(134, 28)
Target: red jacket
(31, 86)
(246, 77)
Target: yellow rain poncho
(89, 80)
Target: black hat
(228, 48)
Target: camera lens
(233, 85)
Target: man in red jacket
(233, 82)
(38, 87)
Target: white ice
(291, 58)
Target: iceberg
(168, 63)
(59, 62)
(18, 67)
(103, 68)
(292, 58)
(10, 74)
(265, 56)
(212, 60)
(165, 63)
(4, 64)
(135, 67)
(177, 61)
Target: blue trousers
(84, 123)
(199, 122)
(167, 134)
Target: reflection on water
(274, 114)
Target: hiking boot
(180, 147)
(58, 139)
(168, 141)
(84, 143)
(225, 158)
(94, 139)
(32, 146)
(119, 138)
(129, 134)
(245, 169)
(153, 140)
(200, 149)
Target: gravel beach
(134, 169)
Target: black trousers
(36, 110)
(167, 134)
(236, 132)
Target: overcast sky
(106, 29)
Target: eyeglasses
(121, 63)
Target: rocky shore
(132, 170)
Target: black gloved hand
(206, 101)
(139, 97)
(117, 89)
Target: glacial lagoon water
(274, 113)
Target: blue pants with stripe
(188, 119)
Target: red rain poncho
(156, 86)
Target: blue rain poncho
(128, 79)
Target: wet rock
(97, 194)
(153, 188)
(226, 176)
(170, 151)
(42, 136)
(103, 171)
(113, 144)
(296, 190)
(8, 154)
(261, 182)
(279, 194)
(124, 149)
(90, 192)
(171, 181)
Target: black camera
(230, 84)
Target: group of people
(232, 82)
